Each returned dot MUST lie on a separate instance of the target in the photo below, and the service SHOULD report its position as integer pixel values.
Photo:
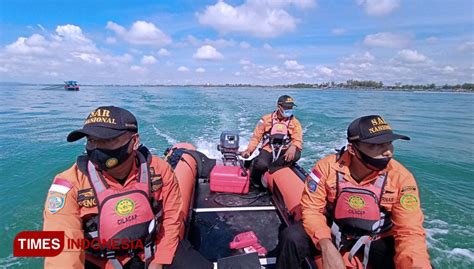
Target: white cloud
(218, 43)
(200, 70)
(245, 45)
(338, 31)
(282, 3)
(67, 41)
(164, 52)
(411, 56)
(364, 57)
(35, 44)
(138, 69)
(387, 40)
(148, 59)
(141, 33)
(87, 57)
(51, 74)
(365, 65)
(325, 71)
(110, 40)
(448, 69)
(260, 18)
(379, 7)
(125, 58)
(244, 62)
(267, 46)
(207, 52)
(183, 69)
(293, 65)
(466, 46)
(70, 32)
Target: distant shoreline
(407, 88)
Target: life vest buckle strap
(336, 232)
(94, 234)
(110, 254)
(149, 250)
(365, 241)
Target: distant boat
(71, 85)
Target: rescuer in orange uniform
(361, 202)
(282, 139)
(117, 191)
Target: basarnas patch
(56, 201)
(312, 185)
(409, 201)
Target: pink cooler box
(229, 179)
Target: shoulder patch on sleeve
(312, 185)
(55, 201)
(313, 180)
(409, 201)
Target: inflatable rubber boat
(228, 219)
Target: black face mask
(106, 159)
(373, 163)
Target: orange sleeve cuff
(321, 233)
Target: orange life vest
(126, 215)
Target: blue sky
(254, 41)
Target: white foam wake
(167, 137)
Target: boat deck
(214, 225)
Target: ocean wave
(167, 137)
(462, 252)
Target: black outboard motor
(231, 176)
(229, 147)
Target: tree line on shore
(370, 84)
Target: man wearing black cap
(282, 139)
(359, 207)
(118, 194)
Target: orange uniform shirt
(400, 197)
(264, 125)
(78, 203)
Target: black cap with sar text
(106, 122)
(372, 129)
(286, 100)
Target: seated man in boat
(118, 195)
(282, 139)
(362, 202)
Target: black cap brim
(96, 131)
(288, 104)
(384, 138)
